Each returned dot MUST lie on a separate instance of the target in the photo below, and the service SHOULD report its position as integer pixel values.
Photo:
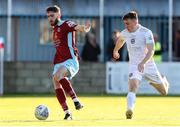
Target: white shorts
(72, 66)
(151, 73)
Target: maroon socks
(68, 88)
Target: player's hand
(116, 55)
(141, 67)
(88, 26)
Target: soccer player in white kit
(140, 46)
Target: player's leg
(165, 84)
(133, 83)
(131, 97)
(162, 86)
(158, 81)
(67, 70)
(61, 76)
(61, 98)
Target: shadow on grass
(14, 95)
(26, 121)
(50, 121)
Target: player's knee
(55, 83)
(133, 87)
(133, 90)
(54, 78)
(58, 76)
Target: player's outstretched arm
(83, 28)
(120, 42)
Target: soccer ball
(41, 112)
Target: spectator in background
(158, 51)
(177, 45)
(111, 44)
(91, 49)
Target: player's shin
(131, 97)
(68, 88)
(166, 84)
(61, 98)
(161, 88)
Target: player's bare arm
(83, 28)
(120, 42)
(150, 53)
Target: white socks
(75, 100)
(131, 97)
(67, 111)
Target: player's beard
(51, 23)
(55, 22)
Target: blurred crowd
(91, 49)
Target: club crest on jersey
(132, 41)
(59, 29)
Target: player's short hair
(54, 8)
(130, 15)
(115, 31)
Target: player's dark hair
(54, 8)
(115, 31)
(130, 15)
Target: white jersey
(136, 44)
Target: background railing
(31, 34)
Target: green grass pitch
(98, 111)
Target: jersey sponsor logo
(57, 42)
(133, 41)
(71, 24)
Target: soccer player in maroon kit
(66, 63)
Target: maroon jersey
(64, 41)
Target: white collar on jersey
(60, 22)
(138, 27)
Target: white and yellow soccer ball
(41, 112)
